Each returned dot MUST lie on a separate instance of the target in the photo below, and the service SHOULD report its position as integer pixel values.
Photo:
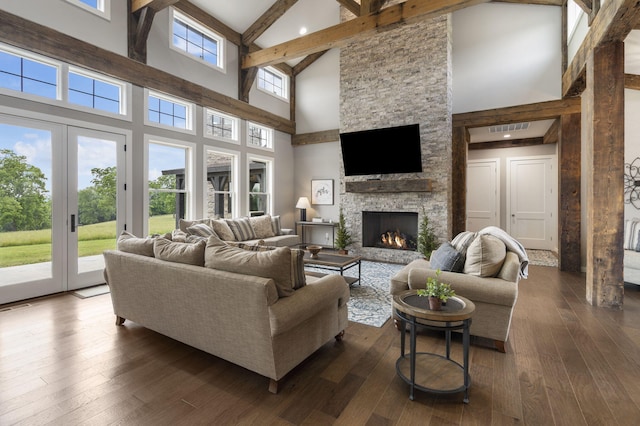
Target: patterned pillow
(131, 244)
(275, 225)
(192, 254)
(241, 228)
(631, 229)
(183, 224)
(447, 258)
(297, 262)
(261, 226)
(179, 236)
(221, 228)
(201, 230)
(463, 240)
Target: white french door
(61, 205)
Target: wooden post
(603, 112)
(460, 139)
(569, 214)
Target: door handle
(73, 223)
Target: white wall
(631, 137)
(504, 55)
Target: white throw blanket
(512, 245)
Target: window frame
(270, 166)
(572, 26)
(270, 136)
(206, 31)
(103, 10)
(24, 54)
(235, 131)
(123, 88)
(235, 178)
(189, 114)
(189, 173)
(277, 73)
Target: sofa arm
(287, 231)
(307, 301)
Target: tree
(97, 203)
(427, 240)
(161, 203)
(343, 236)
(24, 202)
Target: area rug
(370, 301)
(542, 258)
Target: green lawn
(26, 247)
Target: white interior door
(531, 204)
(483, 195)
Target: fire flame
(394, 239)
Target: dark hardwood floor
(64, 362)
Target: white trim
(124, 91)
(235, 139)
(270, 137)
(190, 107)
(285, 83)
(103, 10)
(220, 40)
(235, 178)
(35, 58)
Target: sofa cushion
(298, 276)
(631, 228)
(262, 227)
(275, 225)
(183, 224)
(131, 244)
(447, 258)
(463, 240)
(274, 264)
(201, 230)
(241, 228)
(192, 254)
(485, 256)
(221, 228)
(179, 236)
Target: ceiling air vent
(508, 127)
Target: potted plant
(437, 292)
(427, 240)
(343, 236)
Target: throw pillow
(241, 228)
(275, 225)
(221, 228)
(638, 244)
(485, 256)
(298, 277)
(447, 258)
(274, 264)
(462, 241)
(201, 230)
(183, 224)
(131, 244)
(261, 226)
(631, 228)
(192, 254)
(179, 236)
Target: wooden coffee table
(334, 262)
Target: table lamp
(303, 204)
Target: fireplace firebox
(392, 230)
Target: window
(89, 90)
(260, 185)
(574, 13)
(273, 82)
(259, 136)
(99, 7)
(22, 72)
(166, 111)
(196, 40)
(220, 126)
(168, 185)
(221, 188)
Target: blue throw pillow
(447, 258)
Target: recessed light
(507, 135)
(303, 30)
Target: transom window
(259, 136)
(28, 74)
(273, 82)
(196, 40)
(167, 111)
(220, 126)
(97, 92)
(99, 7)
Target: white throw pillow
(485, 256)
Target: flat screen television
(382, 151)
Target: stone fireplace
(408, 81)
(390, 230)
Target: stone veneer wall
(397, 77)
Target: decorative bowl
(314, 250)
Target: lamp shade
(303, 203)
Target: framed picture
(322, 191)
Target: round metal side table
(431, 372)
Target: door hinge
(125, 226)
(125, 147)
(125, 186)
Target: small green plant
(427, 240)
(343, 236)
(436, 288)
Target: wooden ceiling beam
(517, 114)
(139, 33)
(537, 2)
(303, 64)
(351, 5)
(553, 133)
(340, 34)
(267, 19)
(155, 5)
(511, 143)
(613, 22)
(632, 81)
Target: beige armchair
(494, 297)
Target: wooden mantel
(372, 186)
